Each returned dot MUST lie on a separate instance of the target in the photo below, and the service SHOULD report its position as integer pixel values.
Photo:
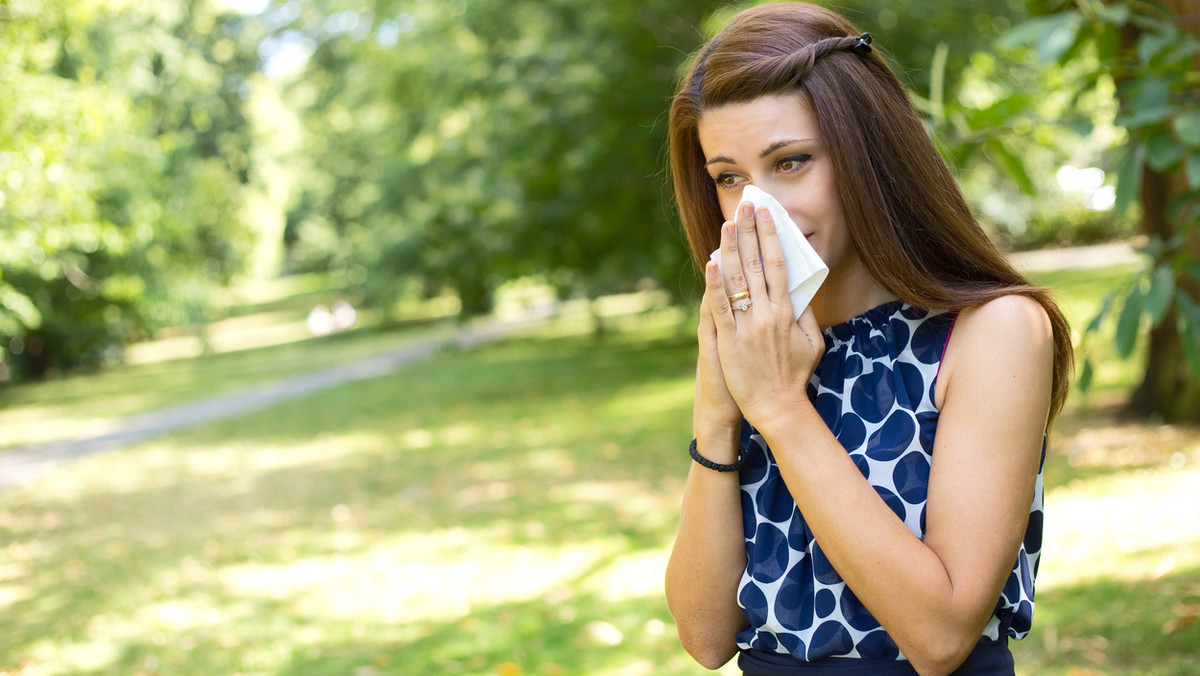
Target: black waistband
(989, 658)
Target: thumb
(809, 326)
(808, 322)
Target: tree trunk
(1169, 389)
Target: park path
(23, 463)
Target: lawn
(508, 510)
(262, 336)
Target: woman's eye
(793, 163)
(726, 180)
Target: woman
(885, 512)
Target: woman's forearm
(708, 557)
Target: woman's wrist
(718, 442)
(797, 421)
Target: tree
(453, 146)
(1154, 61)
(124, 161)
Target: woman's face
(775, 143)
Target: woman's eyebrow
(781, 144)
(721, 159)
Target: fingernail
(730, 230)
(747, 209)
(711, 272)
(763, 213)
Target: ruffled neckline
(876, 316)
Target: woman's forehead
(758, 122)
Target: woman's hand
(715, 408)
(766, 357)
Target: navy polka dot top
(874, 389)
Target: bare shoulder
(1013, 321)
(1009, 337)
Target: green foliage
(125, 153)
(459, 145)
(1153, 63)
(1008, 123)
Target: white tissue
(805, 269)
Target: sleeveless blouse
(874, 388)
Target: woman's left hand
(766, 356)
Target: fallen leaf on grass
(510, 669)
(1184, 616)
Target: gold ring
(743, 307)
(739, 296)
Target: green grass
(508, 510)
(262, 337)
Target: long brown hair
(902, 205)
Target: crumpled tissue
(805, 269)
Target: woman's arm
(709, 555)
(935, 596)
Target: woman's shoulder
(1009, 338)
(1013, 317)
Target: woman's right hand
(715, 408)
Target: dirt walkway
(1097, 256)
(23, 463)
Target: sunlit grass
(1081, 294)
(508, 510)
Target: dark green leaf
(1192, 268)
(1129, 322)
(1151, 44)
(1192, 169)
(1116, 14)
(1187, 128)
(1163, 152)
(1055, 43)
(1086, 372)
(1051, 36)
(1105, 306)
(1000, 112)
(1082, 126)
(1012, 165)
(1188, 309)
(1191, 346)
(1158, 298)
(1189, 328)
(1129, 178)
(1148, 102)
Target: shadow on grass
(1115, 627)
(1094, 442)
(502, 511)
(319, 533)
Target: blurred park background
(198, 197)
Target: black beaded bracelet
(705, 462)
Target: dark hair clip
(863, 46)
